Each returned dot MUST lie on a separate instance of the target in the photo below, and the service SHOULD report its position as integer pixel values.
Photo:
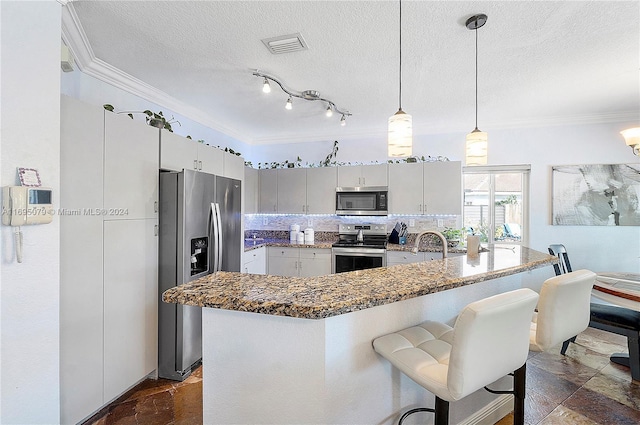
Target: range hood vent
(285, 44)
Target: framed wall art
(596, 195)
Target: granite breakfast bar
(298, 350)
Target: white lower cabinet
(303, 262)
(130, 303)
(255, 261)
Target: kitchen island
(298, 350)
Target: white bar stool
(563, 310)
(490, 339)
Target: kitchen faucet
(414, 251)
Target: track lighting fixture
(477, 141)
(266, 88)
(306, 95)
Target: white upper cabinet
(292, 190)
(405, 188)
(210, 159)
(268, 199)
(321, 190)
(443, 187)
(430, 188)
(250, 188)
(130, 168)
(363, 175)
(298, 190)
(233, 166)
(178, 153)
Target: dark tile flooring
(582, 387)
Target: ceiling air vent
(285, 43)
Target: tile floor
(582, 387)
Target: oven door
(351, 259)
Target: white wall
(30, 137)
(598, 248)
(93, 91)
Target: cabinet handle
(274, 207)
(155, 206)
(303, 208)
(195, 164)
(199, 165)
(307, 209)
(155, 230)
(364, 181)
(424, 208)
(420, 207)
(300, 262)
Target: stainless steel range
(359, 247)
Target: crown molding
(75, 38)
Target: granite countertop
(332, 295)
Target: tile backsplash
(329, 223)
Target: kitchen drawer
(275, 251)
(403, 257)
(311, 253)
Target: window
(496, 203)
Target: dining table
(620, 289)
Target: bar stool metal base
(442, 406)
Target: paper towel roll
(473, 246)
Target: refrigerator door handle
(213, 240)
(218, 225)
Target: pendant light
(477, 141)
(399, 140)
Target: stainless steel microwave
(363, 200)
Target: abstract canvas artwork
(596, 195)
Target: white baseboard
(492, 412)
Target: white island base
(264, 369)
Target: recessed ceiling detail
(285, 43)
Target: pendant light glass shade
(400, 141)
(477, 147)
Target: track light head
(289, 105)
(343, 121)
(329, 112)
(266, 88)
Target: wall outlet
(440, 222)
(265, 221)
(412, 222)
(309, 222)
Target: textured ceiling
(540, 62)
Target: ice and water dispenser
(199, 255)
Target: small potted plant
(453, 236)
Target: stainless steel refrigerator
(200, 233)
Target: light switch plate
(309, 222)
(440, 222)
(265, 221)
(412, 222)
